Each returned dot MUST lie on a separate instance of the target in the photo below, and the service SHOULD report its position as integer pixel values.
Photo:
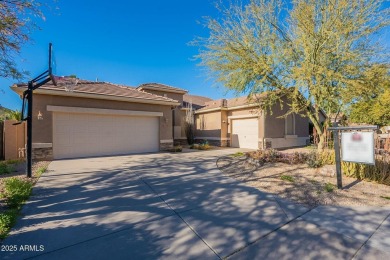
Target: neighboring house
(238, 122)
(99, 118)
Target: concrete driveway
(179, 206)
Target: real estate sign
(358, 147)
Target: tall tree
(374, 111)
(317, 54)
(16, 24)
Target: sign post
(356, 146)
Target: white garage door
(82, 135)
(245, 133)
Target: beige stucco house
(238, 122)
(99, 118)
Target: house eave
(20, 90)
(162, 90)
(226, 109)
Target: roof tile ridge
(136, 90)
(162, 84)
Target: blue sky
(124, 42)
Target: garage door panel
(245, 133)
(83, 135)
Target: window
(290, 124)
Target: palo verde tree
(372, 111)
(317, 54)
(16, 24)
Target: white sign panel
(357, 147)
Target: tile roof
(197, 101)
(232, 102)
(100, 88)
(161, 87)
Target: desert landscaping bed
(299, 183)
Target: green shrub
(13, 161)
(298, 158)
(380, 172)
(16, 191)
(238, 154)
(4, 169)
(8, 166)
(202, 146)
(329, 187)
(287, 178)
(7, 220)
(314, 160)
(327, 157)
(42, 169)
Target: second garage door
(82, 135)
(245, 133)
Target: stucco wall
(274, 126)
(208, 124)
(43, 129)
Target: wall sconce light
(40, 116)
(223, 121)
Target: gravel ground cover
(305, 185)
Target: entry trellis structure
(336, 137)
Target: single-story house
(238, 122)
(99, 118)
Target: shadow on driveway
(158, 206)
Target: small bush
(4, 168)
(8, 166)
(314, 160)
(329, 187)
(238, 154)
(202, 146)
(16, 191)
(380, 172)
(327, 157)
(267, 155)
(298, 158)
(287, 178)
(7, 220)
(13, 161)
(42, 169)
(385, 197)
